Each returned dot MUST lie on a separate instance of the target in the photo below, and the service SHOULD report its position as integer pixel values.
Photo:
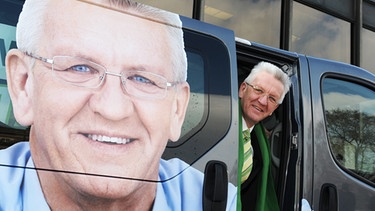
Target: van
(322, 137)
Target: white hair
(30, 25)
(275, 72)
(32, 19)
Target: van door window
(195, 110)
(350, 117)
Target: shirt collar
(244, 125)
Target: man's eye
(259, 91)
(82, 69)
(141, 79)
(272, 100)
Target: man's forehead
(90, 16)
(265, 80)
(82, 32)
(102, 8)
(263, 76)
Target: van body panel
(311, 165)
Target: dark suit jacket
(251, 188)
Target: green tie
(248, 156)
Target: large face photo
(102, 109)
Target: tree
(351, 129)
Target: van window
(350, 117)
(208, 116)
(195, 111)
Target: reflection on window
(368, 46)
(318, 34)
(350, 116)
(257, 21)
(342, 7)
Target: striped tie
(248, 156)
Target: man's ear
(242, 90)
(179, 108)
(20, 85)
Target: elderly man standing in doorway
(260, 94)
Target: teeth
(256, 107)
(107, 139)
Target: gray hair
(31, 21)
(275, 72)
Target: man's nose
(111, 100)
(263, 99)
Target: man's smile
(258, 108)
(108, 139)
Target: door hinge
(294, 144)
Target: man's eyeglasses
(84, 73)
(260, 92)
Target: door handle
(215, 186)
(328, 198)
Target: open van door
(282, 126)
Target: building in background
(341, 30)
